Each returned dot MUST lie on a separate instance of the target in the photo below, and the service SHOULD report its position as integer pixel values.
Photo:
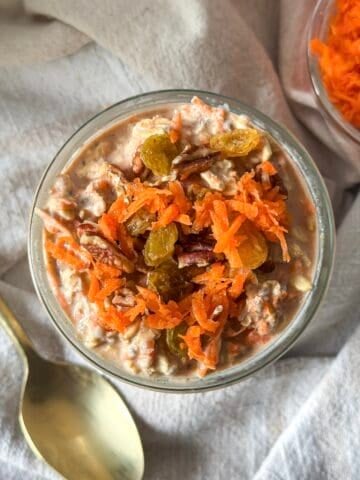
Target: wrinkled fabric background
(61, 62)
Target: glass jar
(346, 136)
(302, 163)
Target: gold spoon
(73, 418)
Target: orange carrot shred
(163, 320)
(152, 300)
(109, 286)
(117, 209)
(126, 241)
(238, 282)
(168, 216)
(113, 319)
(268, 167)
(200, 312)
(101, 270)
(175, 128)
(136, 310)
(213, 274)
(109, 226)
(193, 342)
(94, 287)
(60, 253)
(180, 198)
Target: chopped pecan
(197, 166)
(194, 161)
(184, 154)
(125, 298)
(103, 251)
(191, 153)
(198, 247)
(200, 259)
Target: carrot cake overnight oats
(179, 241)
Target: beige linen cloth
(61, 62)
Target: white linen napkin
(296, 419)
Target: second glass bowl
(346, 135)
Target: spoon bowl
(73, 418)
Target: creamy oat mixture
(179, 241)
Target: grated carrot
(169, 215)
(220, 224)
(175, 128)
(126, 242)
(268, 168)
(118, 208)
(113, 319)
(201, 314)
(109, 286)
(192, 340)
(238, 282)
(339, 60)
(152, 300)
(94, 287)
(203, 208)
(109, 226)
(180, 198)
(59, 252)
(102, 270)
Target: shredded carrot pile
(339, 60)
(206, 309)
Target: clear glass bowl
(302, 163)
(345, 134)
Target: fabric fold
(62, 62)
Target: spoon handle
(15, 330)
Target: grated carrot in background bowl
(339, 60)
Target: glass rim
(302, 163)
(315, 74)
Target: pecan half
(194, 161)
(104, 252)
(191, 153)
(196, 166)
(197, 247)
(125, 298)
(200, 259)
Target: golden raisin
(253, 250)
(237, 143)
(157, 153)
